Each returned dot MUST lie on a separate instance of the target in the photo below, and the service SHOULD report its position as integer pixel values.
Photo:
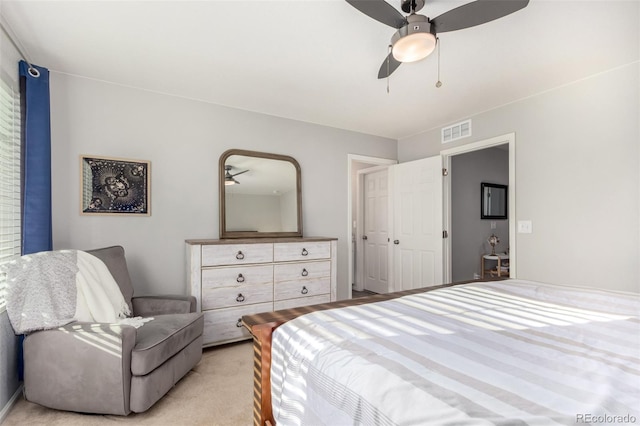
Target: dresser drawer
(225, 297)
(283, 252)
(248, 275)
(304, 301)
(304, 288)
(301, 271)
(223, 325)
(236, 254)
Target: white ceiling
(317, 61)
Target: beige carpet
(219, 391)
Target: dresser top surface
(258, 240)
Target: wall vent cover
(456, 131)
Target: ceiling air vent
(456, 131)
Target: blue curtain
(37, 226)
(36, 159)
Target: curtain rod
(6, 28)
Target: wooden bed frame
(261, 327)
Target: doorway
(467, 241)
(357, 164)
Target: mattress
(497, 353)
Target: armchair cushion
(162, 338)
(149, 306)
(114, 258)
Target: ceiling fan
(415, 37)
(229, 177)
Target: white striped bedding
(498, 353)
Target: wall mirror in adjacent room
(260, 195)
(494, 201)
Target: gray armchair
(114, 369)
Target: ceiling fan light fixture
(414, 47)
(414, 41)
(230, 181)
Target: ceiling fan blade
(389, 65)
(476, 13)
(381, 11)
(239, 173)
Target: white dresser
(231, 278)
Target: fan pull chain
(388, 60)
(438, 83)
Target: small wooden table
(499, 257)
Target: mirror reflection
(261, 195)
(494, 201)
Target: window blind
(9, 179)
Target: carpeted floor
(219, 391)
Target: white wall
(289, 211)
(184, 139)
(577, 178)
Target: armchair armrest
(83, 367)
(148, 306)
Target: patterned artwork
(111, 185)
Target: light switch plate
(525, 227)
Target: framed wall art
(114, 186)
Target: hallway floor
(355, 293)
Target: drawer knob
(239, 323)
(304, 272)
(240, 255)
(240, 298)
(304, 252)
(304, 290)
(240, 278)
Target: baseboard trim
(10, 404)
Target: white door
(376, 232)
(417, 229)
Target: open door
(376, 231)
(417, 223)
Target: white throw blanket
(50, 289)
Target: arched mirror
(260, 195)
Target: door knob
(364, 237)
(396, 241)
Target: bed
(508, 352)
